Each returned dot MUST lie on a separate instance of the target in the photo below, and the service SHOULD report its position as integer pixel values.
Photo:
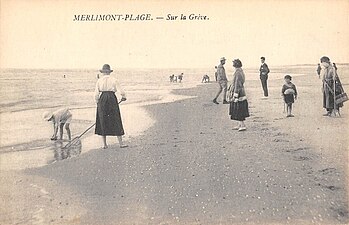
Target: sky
(42, 34)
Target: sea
(27, 93)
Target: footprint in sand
(341, 213)
(328, 171)
(280, 140)
(296, 150)
(301, 158)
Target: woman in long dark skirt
(239, 106)
(108, 118)
(329, 76)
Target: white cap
(46, 115)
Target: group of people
(235, 95)
(178, 78)
(108, 117)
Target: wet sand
(190, 167)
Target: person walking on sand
(318, 70)
(289, 92)
(61, 118)
(238, 109)
(108, 118)
(263, 75)
(222, 82)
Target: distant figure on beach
(328, 74)
(205, 79)
(215, 73)
(289, 92)
(222, 82)
(60, 118)
(263, 74)
(97, 75)
(238, 106)
(64, 76)
(108, 118)
(180, 77)
(318, 70)
(334, 66)
(172, 78)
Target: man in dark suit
(263, 72)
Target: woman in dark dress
(108, 118)
(329, 78)
(238, 105)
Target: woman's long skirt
(239, 110)
(108, 118)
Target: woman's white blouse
(107, 83)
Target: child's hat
(288, 77)
(46, 115)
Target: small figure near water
(289, 92)
(60, 118)
(172, 78)
(318, 70)
(180, 77)
(205, 79)
(215, 73)
(334, 66)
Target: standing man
(263, 72)
(222, 82)
(318, 70)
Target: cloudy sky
(42, 34)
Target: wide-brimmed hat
(223, 59)
(237, 63)
(46, 115)
(106, 69)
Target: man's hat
(223, 59)
(106, 69)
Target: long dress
(328, 74)
(108, 117)
(239, 110)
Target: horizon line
(90, 68)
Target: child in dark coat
(289, 92)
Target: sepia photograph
(174, 112)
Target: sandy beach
(190, 167)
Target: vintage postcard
(174, 112)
